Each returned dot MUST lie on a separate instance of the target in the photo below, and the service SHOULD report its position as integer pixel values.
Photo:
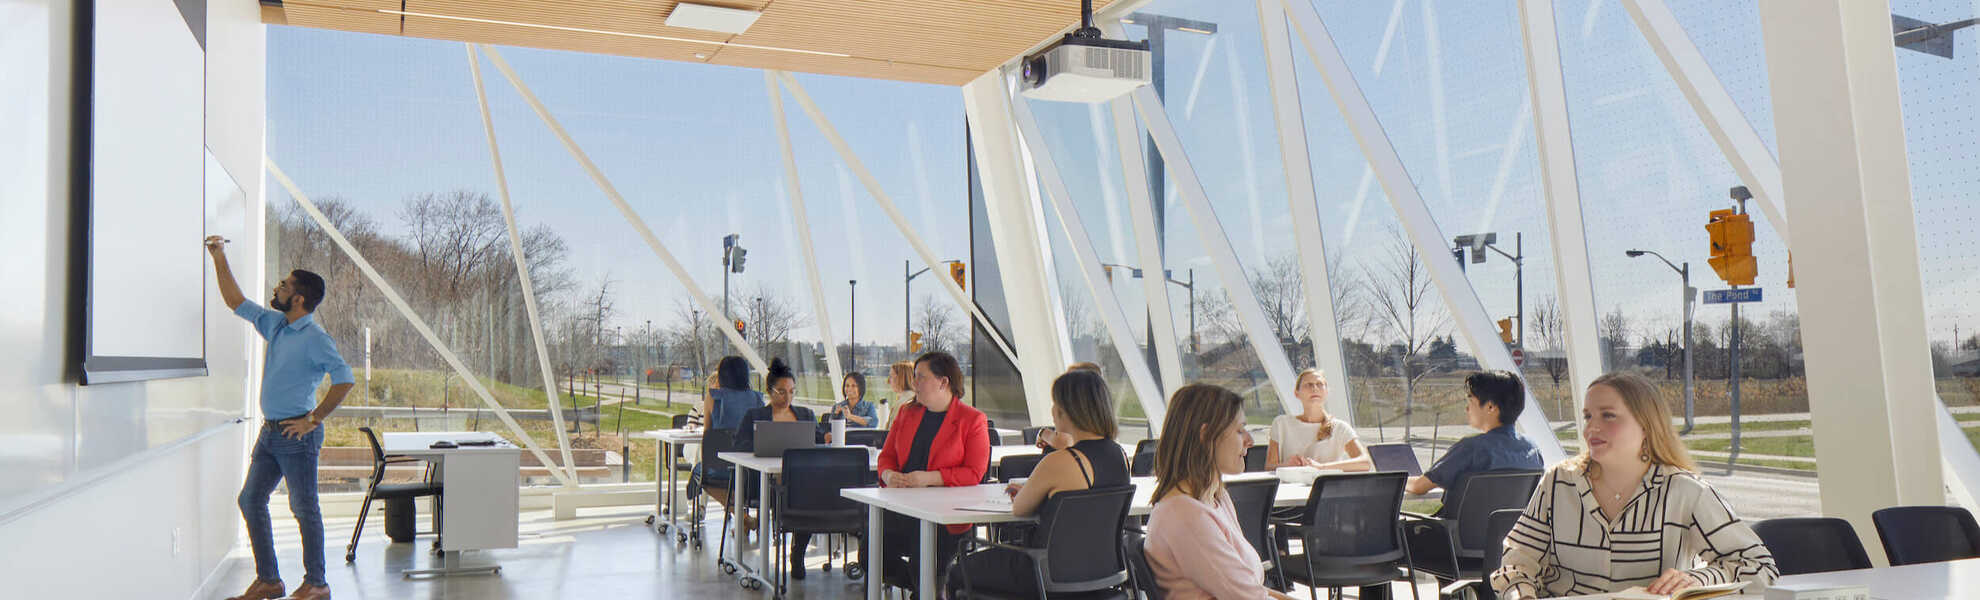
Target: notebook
(1697, 593)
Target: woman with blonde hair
(1629, 510)
(1314, 438)
(1195, 546)
(900, 379)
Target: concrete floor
(605, 553)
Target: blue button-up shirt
(1500, 449)
(300, 353)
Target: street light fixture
(1684, 275)
(1479, 243)
(1168, 275)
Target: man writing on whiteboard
(299, 354)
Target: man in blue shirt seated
(1493, 402)
(290, 439)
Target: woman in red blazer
(935, 441)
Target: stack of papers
(999, 504)
(1697, 593)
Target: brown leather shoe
(261, 590)
(311, 592)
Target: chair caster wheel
(350, 558)
(728, 569)
(855, 570)
(649, 519)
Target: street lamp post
(1483, 241)
(1684, 275)
(1158, 27)
(852, 337)
(1169, 276)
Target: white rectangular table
(666, 507)
(479, 493)
(765, 466)
(1929, 581)
(935, 506)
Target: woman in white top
(1314, 438)
(1195, 546)
(1628, 511)
(900, 378)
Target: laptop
(774, 437)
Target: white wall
(159, 527)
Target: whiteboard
(147, 205)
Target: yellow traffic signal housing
(914, 342)
(1505, 330)
(1732, 247)
(956, 273)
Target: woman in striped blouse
(1630, 510)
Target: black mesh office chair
(1499, 525)
(1395, 457)
(1353, 537)
(1134, 545)
(1076, 551)
(1922, 534)
(809, 500)
(1254, 459)
(389, 492)
(1144, 458)
(1031, 435)
(1453, 544)
(1812, 545)
(1017, 466)
(1252, 500)
(871, 438)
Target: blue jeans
(278, 458)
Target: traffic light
(736, 259)
(1732, 247)
(1505, 330)
(739, 326)
(956, 273)
(914, 342)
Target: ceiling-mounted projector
(1084, 67)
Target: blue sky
(374, 119)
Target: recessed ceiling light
(701, 55)
(712, 18)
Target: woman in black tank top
(1083, 412)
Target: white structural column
(1153, 400)
(1843, 160)
(802, 223)
(1288, 113)
(1472, 322)
(1211, 234)
(1147, 238)
(405, 310)
(1572, 275)
(1148, 248)
(1022, 244)
(887, 205)
(1715, 107)
(522, 270)
(625, 209)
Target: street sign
(1732, 296)
(1519, 357)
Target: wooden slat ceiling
(946, 42)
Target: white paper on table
(999, 504)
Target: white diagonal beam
(893, 212)
(1715, 107)
(1473, 323)
(1573, 280)
(522, 269)
(803, 226)
(625, 209)
(1217, 244)
(405, 310)
(1108, 305)
(1288, 113)
(1147, 245)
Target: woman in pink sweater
(1194, 543)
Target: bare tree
(770, 316)
(1615, 330)
(1551, 334)
(1402, 300)
(939, 326)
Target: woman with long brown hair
(1633, 508)
(1195, 545)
